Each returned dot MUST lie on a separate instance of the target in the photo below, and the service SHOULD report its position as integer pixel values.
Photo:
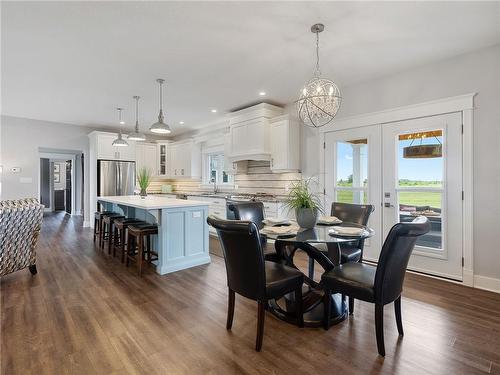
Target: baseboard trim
(487, 283)
(86, 224)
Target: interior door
(353, 175)
(68, 187)
(422, 175)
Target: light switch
(15, 170)
(197, 214)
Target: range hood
(249, 133)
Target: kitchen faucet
(214, 181)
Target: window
(215, 170)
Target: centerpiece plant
(144, 179)
(305, 202)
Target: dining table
(287, 245)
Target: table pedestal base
(284, 308)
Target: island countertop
(151, 202)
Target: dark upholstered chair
(254, 212)
(249, 275)
(381, 284)
(351, 213)
(349, 251)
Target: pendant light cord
(318, 72)
(137, 114)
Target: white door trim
(461, 103)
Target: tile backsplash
(258, 178)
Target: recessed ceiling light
(213, 110)
(262, 93)
(181, 122)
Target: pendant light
(423, 151)
(136, 135)
(320, 98)
(120, 142)
(160, 127)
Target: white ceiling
(74, 62)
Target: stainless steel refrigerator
(115, 178)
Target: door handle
(388, 205)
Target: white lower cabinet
(217, 207)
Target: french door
(405, 169)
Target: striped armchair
(20, 223)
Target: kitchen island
(182, 240)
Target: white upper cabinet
(285, 144)
(184, 159)
(106, 150)
(249, 133)
(146, 157)
(162, 158)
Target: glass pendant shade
(120, 142)
(160, 127)
(136, 135)
(320, 98)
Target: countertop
(224, 195)
(151, 202)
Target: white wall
(21, 140)
(475, 72)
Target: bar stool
(107, 229)
(121, 226)
(98, 222)
(139, 233)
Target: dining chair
(254, 212)
(381, 284)
(249, 275)
(349, 251)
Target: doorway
(405, 169)
(56, 184)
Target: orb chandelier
(320, 98)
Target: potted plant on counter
(144, 179)
(307, 204)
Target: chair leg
(140, 254)
(351, 305)
(129, 249)
(101, 223)
(311, 268)
(261, 314)
(397, 310)
(110, 237)
(32, 269)
(95, 228)
(230, 309)
(327, 303)
(379, 328)
(299, 308)
(122, 243)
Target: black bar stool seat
(138, 234)
(121, 225)
(98, 222)
(107, 228)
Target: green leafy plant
(302, 196)
(144, 178)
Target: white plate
(347, 231)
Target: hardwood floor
(84, 312)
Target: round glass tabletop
(321, 234)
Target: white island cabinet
(182, 240)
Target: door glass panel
(420, 182)
(352, 163)
(351, 196)
(420, 160)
